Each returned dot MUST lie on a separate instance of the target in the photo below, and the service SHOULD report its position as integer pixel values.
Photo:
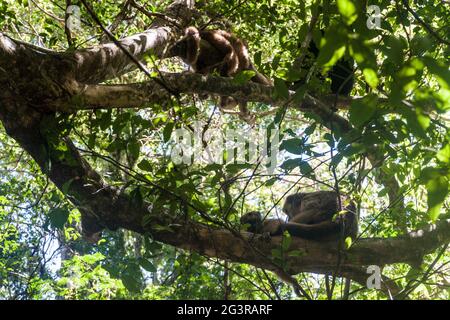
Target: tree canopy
(123, 178)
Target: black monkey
(341, 74)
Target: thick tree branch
(107, 61)
(139, 95)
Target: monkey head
(292, 204)
(254, 221)
(187, 48)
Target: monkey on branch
(341, 75)
(208, 51)
(312, 216)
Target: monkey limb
(287, 278)
(270, 226)
(327, 230)
(276, 227)
(320, 215)
(324, 231)
(312, 216)
(256, 224)
(188, 47)
(312, 207)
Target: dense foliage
(394, 160)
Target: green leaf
(371, 77)
(348, 242)
(257, 58)
(440, 70)
(152, 247)
(437, 192)
(147, 265)
(244, 77)
(270, 182)
(348, 10)
(443, 155)
(417, 121)
(133, 149)
(112, 269)
(145, 165)
(167, 132)
(275, 61)
(136, 196)
(131, 283)
(66, 186)
(332, 47)
(290, 164)
(281, 90)
(304, 166)
(293, 146)
(276, 254)
(132, 277)
(337, 158)
(362, 110)
(189, 111)
(279, 115)
(58, 217)
(299, 94)
(309, 130)
(306, 169)
(286, 241)
(437, 185)
(295, 253)
(330, 55)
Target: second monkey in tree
(208, 51)
(341, 74)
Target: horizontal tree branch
(140, 95)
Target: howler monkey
(341, 74)
(208, 51)
(313, 216)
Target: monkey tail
(283, 276)
(351, 221)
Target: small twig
(117, 20)
(308, 37)
(218, 16)
(47, 13)
(152, 15)
(424, 24)
(414, 284)
(67, 30)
